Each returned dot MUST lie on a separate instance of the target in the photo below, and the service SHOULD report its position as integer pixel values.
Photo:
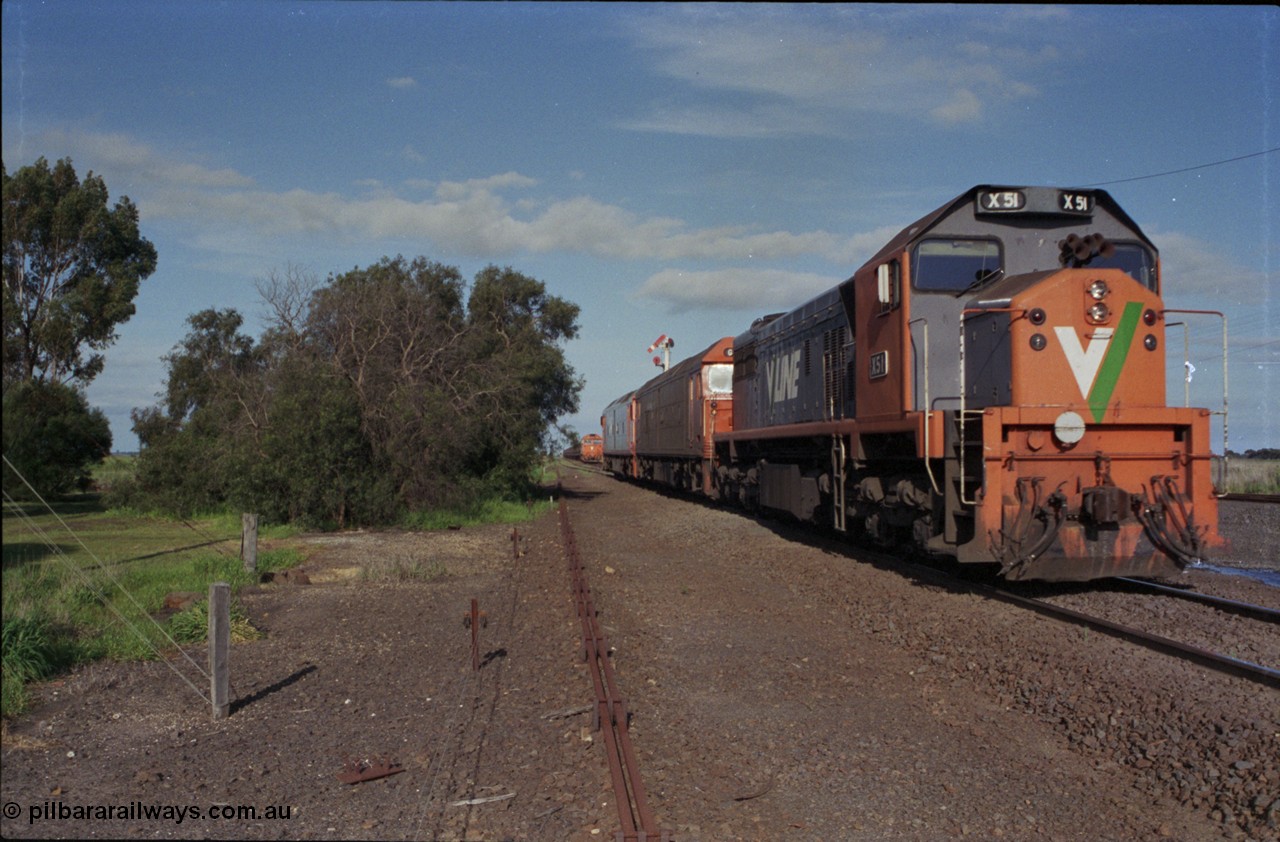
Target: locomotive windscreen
(1134, 260)
(951, 265)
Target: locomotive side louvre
(796, 369)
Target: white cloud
(821, 68)
(764, 120)
(137, 163)
(402, 82)
(963, 107)
(736, 289)
(492, 217)
(459, 189)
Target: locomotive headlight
(1099, 313)
(1099, 290)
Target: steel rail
(1262, 612)
(1250, 498)
(1214, 660)
(610, 710)
(1259, 673)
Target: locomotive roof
(1036, 202)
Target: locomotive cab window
(953, 265)
(719, 379)
(1134, 260)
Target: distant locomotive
(990, 386)
(592, 448)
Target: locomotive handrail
(928, 407)
(1222, 466)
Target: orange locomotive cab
(1083, 463)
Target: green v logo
(1097, 367)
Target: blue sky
(672, 169)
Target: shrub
(52, 437)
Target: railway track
(1251, 498)
(1246, 609)
(1262, 674)
(610, 714)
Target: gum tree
(72, 267)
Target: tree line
(1259, 453)
(385, 389)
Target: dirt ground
(780, 687)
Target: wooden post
(220, 649)
(249, 541)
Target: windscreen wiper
(983, 277)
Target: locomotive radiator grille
(833, 371)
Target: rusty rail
(610, 710)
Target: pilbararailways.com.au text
(138, 811)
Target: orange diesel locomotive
(592, 448)
(664, 431)
(990, 386)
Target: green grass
(114, 469)
(83, 584)
(485, 512)
(1253, 476)
(192, 625)
(402, 568)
